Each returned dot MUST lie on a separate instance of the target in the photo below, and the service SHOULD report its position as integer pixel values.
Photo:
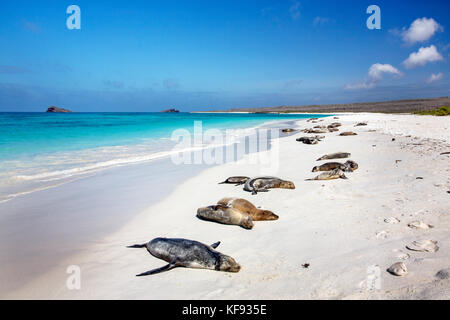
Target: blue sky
(204, 55)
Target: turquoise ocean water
(38, 150)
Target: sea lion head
(247, 223)
(351, 165)
(340, 173)
(268, 215)
(315, 169)
(287, 185)
(228, 264)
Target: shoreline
(341, 221)
(67, 234)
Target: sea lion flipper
(215, 245)
(167, 267)
(137, 245)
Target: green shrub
(443, 111)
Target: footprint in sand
(392, 220)
(423, 246)
(402, 255)
(443, 274)
(382, 234)
(419, 225)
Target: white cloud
(295, 10)
(376, 71)
(422, 57)
(435, 77)
(375, 75)
(421, 30)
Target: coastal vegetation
(442, 111)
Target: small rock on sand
(398, 269)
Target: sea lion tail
(138, 246)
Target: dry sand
(336, 226)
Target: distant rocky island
(57, 109)
(170, 111)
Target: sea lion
(238, 180)
(348, 166)
(188, 254)
(360, 124)
(333, 129)
(337, 155)
(247, 207)
(310, 140)
(316, 130)
(348, 133)
(288, 130)
(330, 175)
(225, 215)
(335, 125)
(262, 184)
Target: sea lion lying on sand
(262, 184)
(348, 133)
(337, 155)
(316, 130)
(335, 125)
(333, 129)
(359, 124)
(247, 207)
(226, 215)
(289, 130)
(348, 166)
(238, 180)
(330, 175)
(188, 254)
(310, 140)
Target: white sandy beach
(336, 226)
